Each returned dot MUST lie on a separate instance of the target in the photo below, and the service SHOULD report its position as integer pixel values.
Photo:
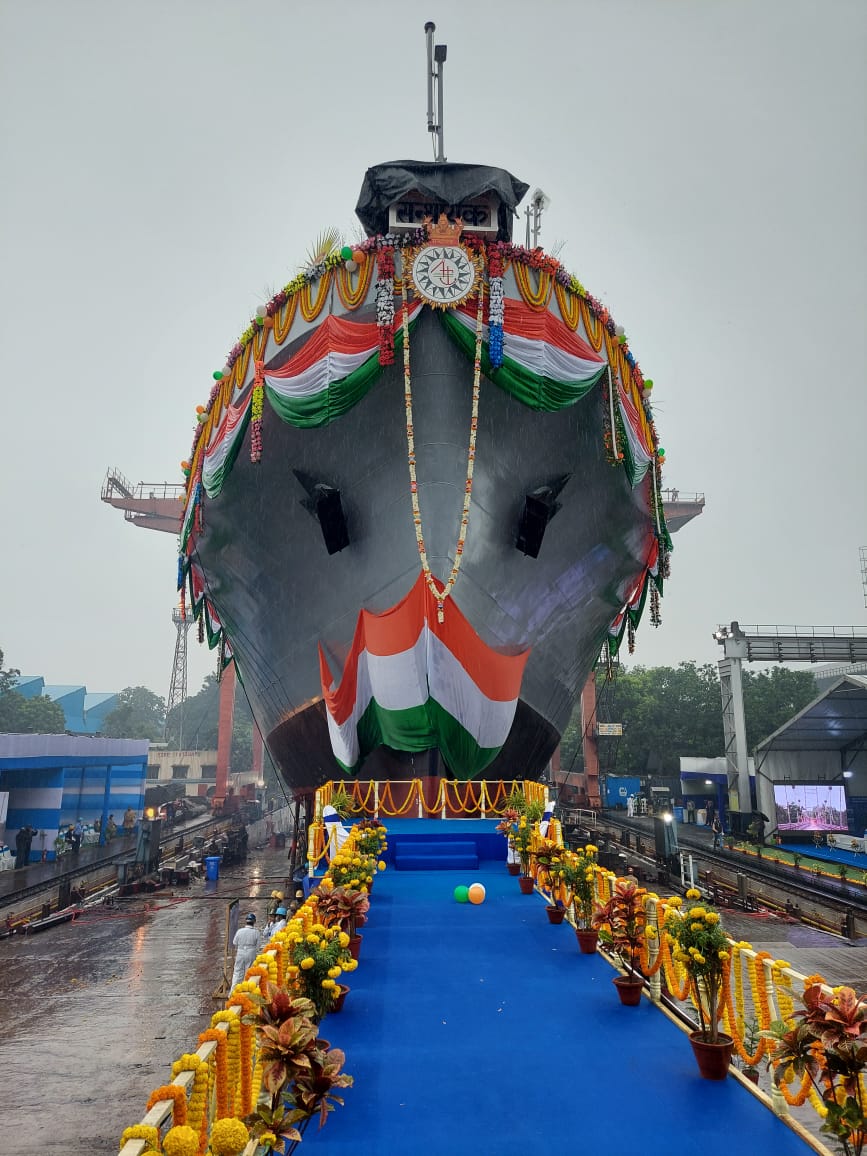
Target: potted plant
(523, 836)
(699, 943)
(301, 1073)
(579, 875)
(622, 923)
(315, 961)
(826, 1049)
(507, 827)
(344, 906)
(341, 801)
(751, 1036)
(551, 865)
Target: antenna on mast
(436, 58)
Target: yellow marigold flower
(693, 893)
(328, 984)
(313, 938)
(781, 963)
(181, 1141)
(650, 932)
(333, 972)
(697, 913)
(319, 928)
(350, 965)
(307, 963)
(380, 865)
(699, 958)
(229, 1137)
(674, 901)
(591, 849)
(724, 955)
(353, 882)
(268, 1138)
(343, 939)
(292, 970)
(356, 862)
(695, 927)
(711, 917)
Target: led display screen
(810, 807)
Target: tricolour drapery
(330, 373)
(546, 365)
(415, 683)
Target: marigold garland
(221, 1072)
(384, 301)
(177, 1095)
(256, 407)
(441, 595)
(181, 1141)
(146, 1132)
(229, 1137)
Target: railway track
(46, 895)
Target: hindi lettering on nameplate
(479, 214)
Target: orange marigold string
(221, 1076)
(734, 1024)
(179, 1101)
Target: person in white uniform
(246, 944)
(278, 923)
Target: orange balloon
(358, 256)
(476, 893)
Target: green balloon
(346, 253)
(661, 452)
(217, 375)
(462, 894)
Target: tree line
(668, 712)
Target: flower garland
(221, 1073)
(177, 1095)
(384, 297)
(496, 307)
(181, 1141)
(441, 595)
(198, 1102)
(146, 1132)
(229, 1137)
(256, 407)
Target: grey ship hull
(279, 593)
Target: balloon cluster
(352, 258)
(475, 893)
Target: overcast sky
(167, 165)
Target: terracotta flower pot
(527, 884)
(555, 914)
(713, 1059)
(343, 991)
(355, 945)
(587, 940)
(629, 989)
(514, 868)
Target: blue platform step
(441, 855)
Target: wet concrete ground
(93, 1013)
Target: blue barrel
(212, 867)
(678, 814)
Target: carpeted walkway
(481, 1030)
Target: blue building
(52, 780)
(84, 712)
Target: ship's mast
(436, 56)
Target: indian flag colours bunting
(415, 683)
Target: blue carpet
(827, 855)
(481, 1030)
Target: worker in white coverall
(246, 944)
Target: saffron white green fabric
(415, 683)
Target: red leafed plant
(828, 1045)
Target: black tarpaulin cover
(451, 184)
